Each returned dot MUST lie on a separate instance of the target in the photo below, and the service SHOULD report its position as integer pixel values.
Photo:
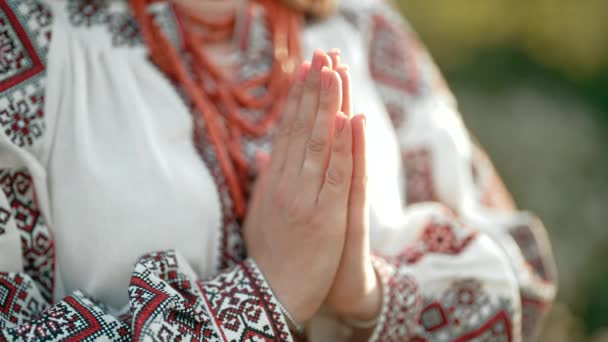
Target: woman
(132, 137)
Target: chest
(131, 171)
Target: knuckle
(317, 144)
(340, 148)
(316, 221)
(279, 196)
(284, 130)
(311, 85)
(360, 182)
(296, 210)
(299, 127)
(295, 92)
(335, 177)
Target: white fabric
(117, 174)
(123, 175)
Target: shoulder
(365, 14)
(25, 36)
(383, 28)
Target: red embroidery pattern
(5, 216)
(533, 311)
(526, 239)
(244, 307)
(24, 39)
(391, 55)
(440, 236)
(36, 240)
(19, 299)
(120, 24)
(420, 186)
(236, 305)
(75, 318)
(393, 66)
(402, 304)
(87, 12)
(465, 312)
(232, 246)
(399, 65)
(166, 304)
(489, 188)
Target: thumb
(262, 161)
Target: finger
(336, 186)
(262, 161)
(279, 150)
(334, 54)
(357, 202)
(320, 141)
(303, 123)
(342, 70)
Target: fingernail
(326, 78)
(317, 60)
(335, 56)
(340, 123)
(364, 119)
(303, 71)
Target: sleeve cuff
(243, 304)
(401, 303)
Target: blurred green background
(531, 78)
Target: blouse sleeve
(167, 302)
(462, 263)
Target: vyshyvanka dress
(116, 222)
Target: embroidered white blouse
(116, 222)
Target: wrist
(369, 307)
(291, 304)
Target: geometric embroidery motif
(439, 236)
(235, 305)
(232, 246)
(24, 39)
(244, 306)
(5, 216)
(402, 304)
(393, 62)
(393, 65)
(19, 299)
(528, 244)
(22, 118)
(465, 312)
(400, 67)
(418, 165)
(36, 241)
(532, 313)
(75, 318)
(124, 30)
(166, 304)
(23, 50)
(120, 24)
(433, 317)
(87, 12)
